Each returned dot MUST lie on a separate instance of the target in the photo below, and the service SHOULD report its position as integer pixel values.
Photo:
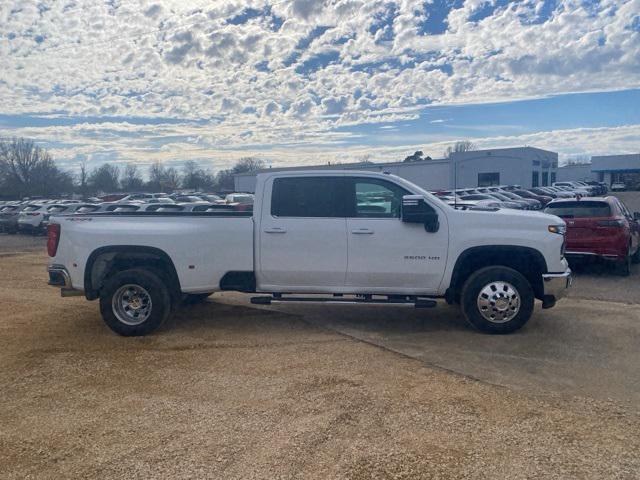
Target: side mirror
(416, 210)
(636, 216)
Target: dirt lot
(22, 243)
(233, 392)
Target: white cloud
(175, 143)
(244, 76)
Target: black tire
(635, 258)
(195, 298)
(156, 311)
(624, 265)
(484, 279)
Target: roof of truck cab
(338, 173)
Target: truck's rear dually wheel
(497, 300)
(134, 302)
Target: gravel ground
(234, 392)
(22, 243)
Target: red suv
(600, 226)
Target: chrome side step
(338, 300)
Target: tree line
(27, 170)
(458, 147)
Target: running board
(417, 303)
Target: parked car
(543, 199)
(601, 187)
(31, 217)
(144, 197)
(486, 196)
(61, 209)
(457, 202)
(211, 198)
(558, 192)
(600, 227)
(189, 199)
(542, 192)
(527, 203)
(308, 233)
(575, 188)
(9, 218)
(242, 198)
(618, 187)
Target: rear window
(165, 208)
(308, 197)
(56, 209)
(87, 209)
(123, 208)
(579, 209)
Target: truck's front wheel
(497, 300)
(134, 302)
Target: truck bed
(202, 245)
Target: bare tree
(224, 178)
(193, 177)
(156, 176)
(21, 157)
(163, 179)
(105, 178)
(171, 179)
(458, 147)
(248, 165)
(83, 177)
(131, 178)
(28, 170)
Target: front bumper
(555, 287)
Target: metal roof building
(526, 166)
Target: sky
(298, 82)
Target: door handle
(275, 230)
(362, 231)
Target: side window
(623, 208)
(377, 198)
(308, 197)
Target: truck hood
(505, 216)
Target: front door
(303, 236)
(384, 253)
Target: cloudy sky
(312, 81)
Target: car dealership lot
(232, 391)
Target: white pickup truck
(341, 236)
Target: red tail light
(53, 238)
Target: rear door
(386, 254)
(303, 234)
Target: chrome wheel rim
(132, 304)
(498, 302)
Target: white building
(605, 168)
(525, 166)
(579, 172)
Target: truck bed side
(202, 247)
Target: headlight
(559, 229)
